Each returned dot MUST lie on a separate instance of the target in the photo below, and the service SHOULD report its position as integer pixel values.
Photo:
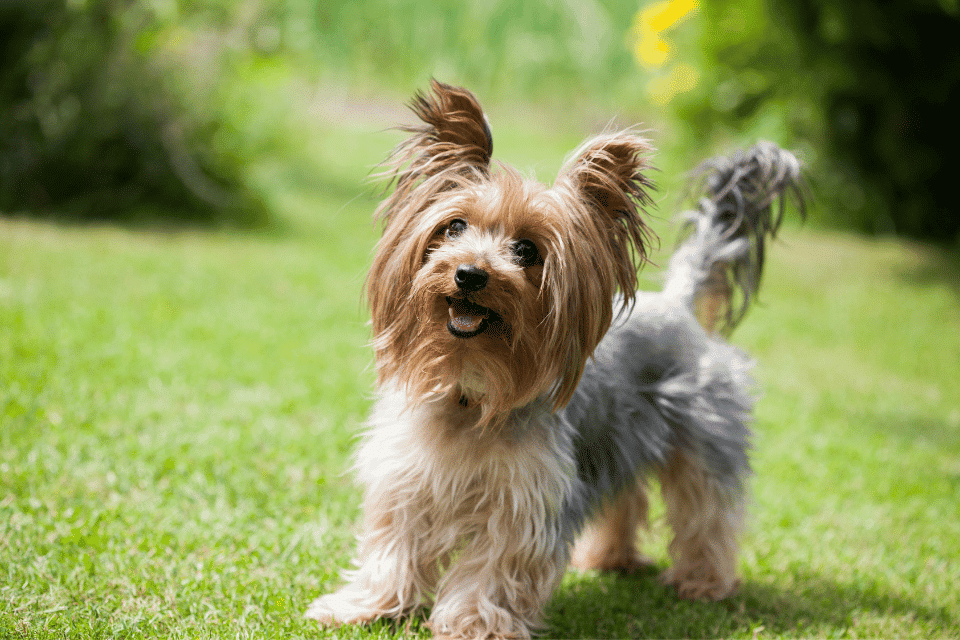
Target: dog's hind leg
(713, 300)
(705, 515)
(609, 540)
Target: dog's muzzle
(467, 318)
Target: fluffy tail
(716, 271)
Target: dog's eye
(455, 228)
(525, 252)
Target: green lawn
(177, 410)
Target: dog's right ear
(454, 141)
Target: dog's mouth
(468, 319)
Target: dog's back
(665, 395)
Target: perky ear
(608, 173)
(454, 140)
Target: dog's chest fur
(427, 459)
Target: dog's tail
(716, 270)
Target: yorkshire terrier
(526, 390)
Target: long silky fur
(598, 200)
(743, 203)
(453, 140)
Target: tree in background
(94, 124)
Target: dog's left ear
(608, 174)
(452, 145)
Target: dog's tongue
(466, 317)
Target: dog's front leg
(396, 569)
(499, 583)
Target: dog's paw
(335, 609)
(625, 563)
(700, 587)
(471, 635)
(494, 623)
(447, 636)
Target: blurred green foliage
(865, 90)
(96, 123)
(107, 104)
(532, 49)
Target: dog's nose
(470, 277)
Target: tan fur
(714, 300)
(553, 314)
(705, 520)
(488, 293)
(609, 541)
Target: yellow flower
(650, 49)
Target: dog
(526, 390)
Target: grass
(177, 410)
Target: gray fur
(731, 223)
(657, 382)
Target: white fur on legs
(382, 587)
(484, 506)
(349, 605)
(497, 592)
(395, 574)
(705, 518)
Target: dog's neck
(511, 424)
(472, 385)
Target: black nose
(470, 277)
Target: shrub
(94, 124)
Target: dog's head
(492, 288)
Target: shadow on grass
(909, 428)
(611, 606)
(592, 606)
(934, 266)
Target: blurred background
(238, 112)
(185, 224)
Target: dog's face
(492, 288)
